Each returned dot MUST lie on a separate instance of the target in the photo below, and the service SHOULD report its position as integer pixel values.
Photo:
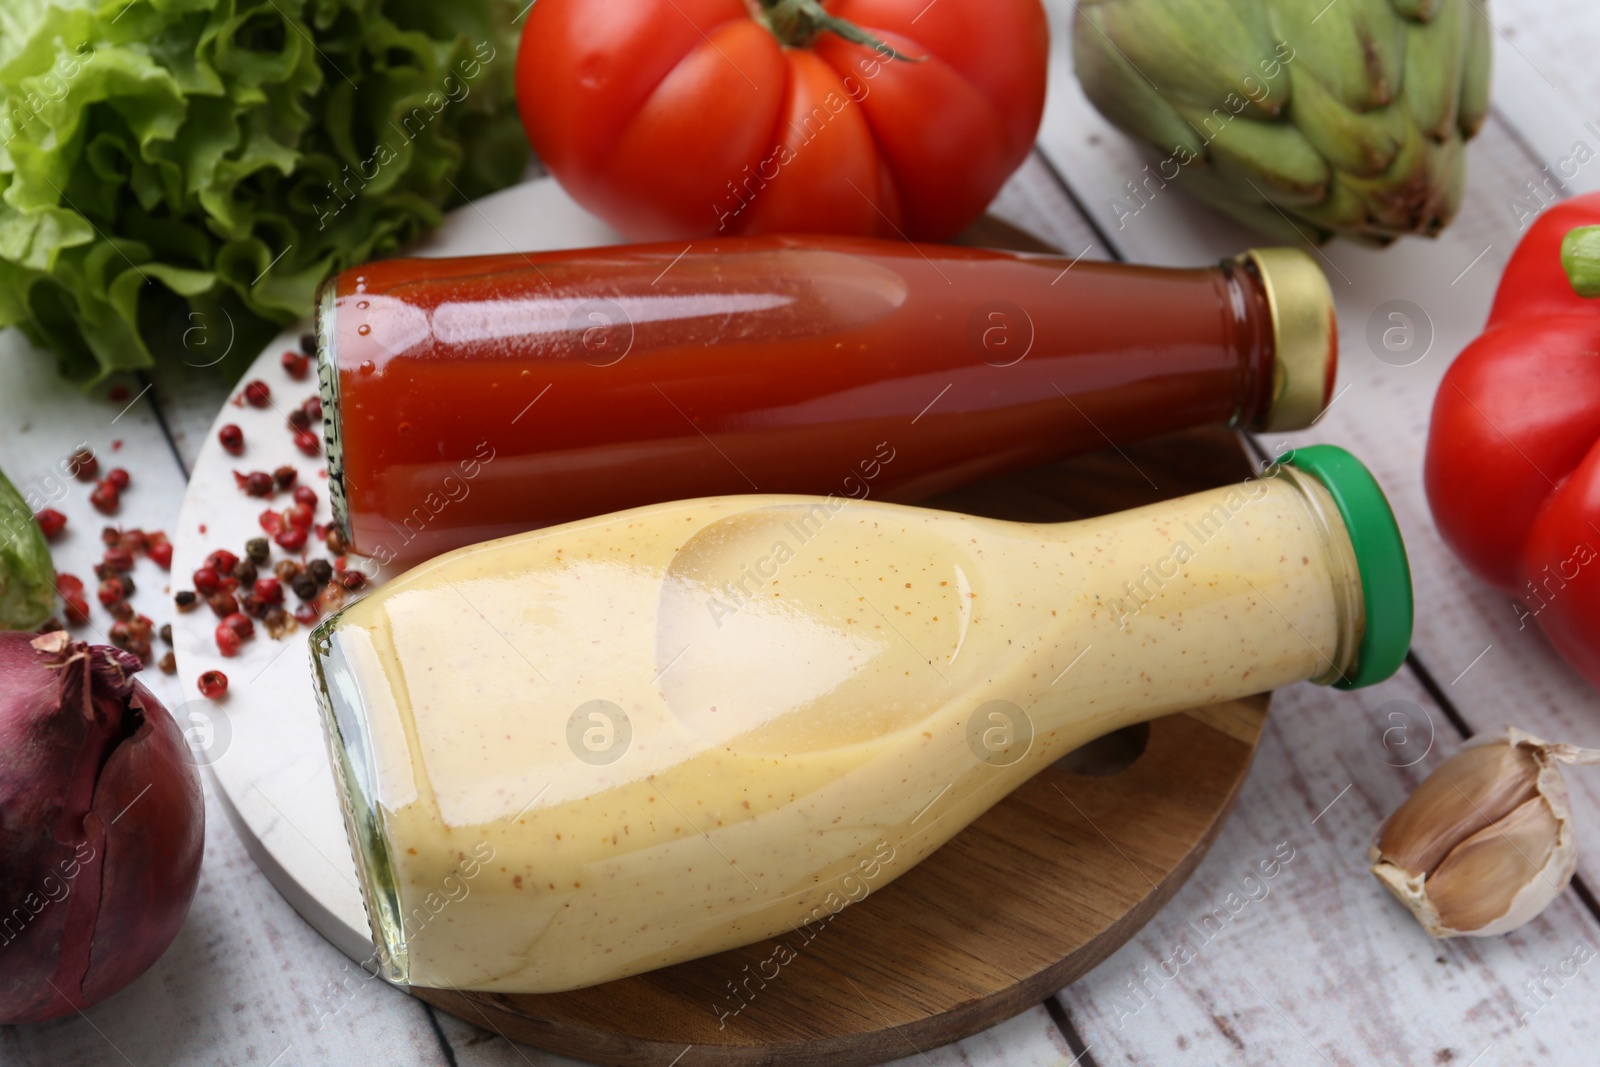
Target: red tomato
(688, 118)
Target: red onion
(102, 825)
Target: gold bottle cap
(1305, 335)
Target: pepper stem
(797, 23)
(1580, 258)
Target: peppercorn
(321, 571)
(299, 420)
(169, 664)
(285, 476)
(82, 465)
(245, 571)
(286, 569)
(185, 599)
(166, 633)
(335, 541)
(277, 622)
(308, 343)
(222, 604)
(160, 553)
(214, 684)
(305, 587)
(51, 523)
(258, 549)
(222, 561)
(353, 580)
(106, 498)
(121, 610)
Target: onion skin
(102, 826)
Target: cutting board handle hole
(1108, 755)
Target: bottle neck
(1329, 532)
(1214, 596)
(1249, 334)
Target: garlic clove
(1485, 843)
(1504, 874)
(1477, 786)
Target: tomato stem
(797, 23)
(1580, 258)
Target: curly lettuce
(177, 176)
(27, 575)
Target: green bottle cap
(1380, 554)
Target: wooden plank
(1318, 964)
(1034, 201)
(1028, 1040)
(1546, 82)
(189, 396)
(46, 419)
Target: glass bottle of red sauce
(470, 398)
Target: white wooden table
(1325, 970)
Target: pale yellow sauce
(786, 734)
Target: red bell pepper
(1513, 463)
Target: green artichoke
(1300, 118)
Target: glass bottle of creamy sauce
(581, 753)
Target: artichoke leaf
(1455, 186)
(1122, 94)
(1420, 10)
(1273, 156)
(1224, 193)
(1434, 57)
(1354, 142)
(1477, 66)
(1198, 52)
(1343, 211)
(1403, 197)
(1355, 47)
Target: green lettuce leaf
(27, 575)
(177, 176)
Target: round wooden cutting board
(1035, 893)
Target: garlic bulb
(1486, 842)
